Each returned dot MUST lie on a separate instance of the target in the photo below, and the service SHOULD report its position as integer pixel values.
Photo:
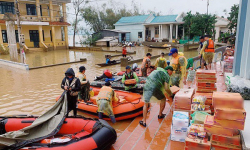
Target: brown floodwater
(34, 91)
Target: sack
(130, 82)
(73, 93)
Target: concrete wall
(133, 29)
(14, 64)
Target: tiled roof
(2, 21)
(133, 19)
(167, 18)
(59, 23)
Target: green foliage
(109, 13)
(199, 24)
(223, 36)
(233, 18)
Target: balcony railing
(45, 18)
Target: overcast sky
(172, 6)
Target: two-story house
(43, 23)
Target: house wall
(133, 29)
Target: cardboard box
(207, 80)
(202, 72)
(230, 114)
(223, 147)
(174, 89)
(180, 119)
(197, 144)
(178, 133)
(232, 124)
(228, 100)
(204, 84)
(206, 90)
(215, 129)
(233, 140)
(183, 99)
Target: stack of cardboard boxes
(179, 127)
(228, 119)
(228, 64)
(205, 81)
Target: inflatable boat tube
(75, 133)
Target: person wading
(207, 51)
(157, 85)
(124, 51)
(85, 85)
(179, 64)
(161, 61)
(73, 86)
(129, 75)
(146, 63)
(202, 61)
(104, 102)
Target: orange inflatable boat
(129, 106)
(75, 133)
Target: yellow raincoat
(179, 64)
(104, 100)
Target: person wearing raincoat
(146, 63)
(129, 74)
(85, 85)
(104, 102)
(161, 61)
(157, 85)
(179, 63)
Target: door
(34, 37)
(123, 37)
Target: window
(156, 32)
(7, 7)
(48, 11)
(50, 36)
(63, 35)
(31, 9)
(17, 38)
(4, 34)
(139, 34)
(41, 10)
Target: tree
(199, 24)
(77, 7)
(233, 18)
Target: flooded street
(34, 91)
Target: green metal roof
(167, 18)
(132, 19)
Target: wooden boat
(75, 133)
(110, 64)
(129, 106)
(160, 47)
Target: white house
(220, 27)
(146, 27)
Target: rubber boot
(100, 115)
(112, 119)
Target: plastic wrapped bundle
(199, 103)
(197, 130)
(191, 75)
(199, 117)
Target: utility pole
(19, 29)
(207, 6)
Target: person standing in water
(161, 61)
(207, 51)
(72, 85)
(104, 102)
(146, 63)
(85, 85)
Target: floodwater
(34, 92)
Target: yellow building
(43, 22)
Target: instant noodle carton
(207, 80)
(221, 147)
(197, 144)
(206, 85)
(174, 89)
(183, 99)
(216, 129)
(233, 141)
(228, 100)
(206, 73)
(233, 124)
(230, 114)
(206, 89)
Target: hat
(170, 68)
(82, 68)
(172, 51)
(128, 67)
(148, 54)
(201, 37)
(107, 83)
